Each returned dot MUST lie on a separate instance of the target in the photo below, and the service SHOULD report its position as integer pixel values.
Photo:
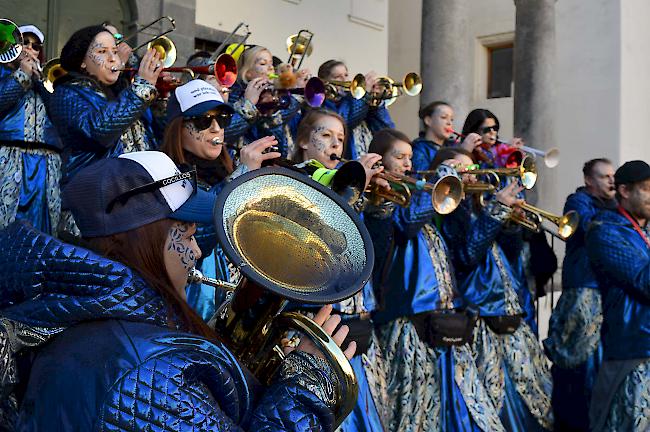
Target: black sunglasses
(187, 173)
(35, 45)
(203, 122)
(487, 129)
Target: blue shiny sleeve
(581, 203)
(409, 220)
(420, 160)
(615, 258)
(101, 126)
(469, 239)
(379, 118)
(206, 234)
(511, 240)
(10, 89)
(237, 128)
(353, 111)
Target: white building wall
(355, 31)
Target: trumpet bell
(52, 71)
(166, 49)
(358, 86)
(294, 237)
(11, 41)
(412, 84)
(299, 44)
(225, 69)
(447, 194)
(314, 92)
(567, 224)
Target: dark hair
(172, 145)
(198, 55)
(428, 110)
(383, 140)
(325, 70)
(476, 118)
(588, 168)
(142, 250)
(307, 125)
(446, 153)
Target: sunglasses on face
(487, 129)
(186, 173)
(35, 45)
(203, 122)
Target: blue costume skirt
(574, 348)
(516, 374)
(432, 389)
(29, 187)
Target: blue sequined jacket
(576, 271)
(621, 261)
(420, 278)
(354, 111)
(117, 365)
(17, 89)
(93, 127)
(485, 253)
(283, 124)
(424, 151)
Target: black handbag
(443, 328)
(360, 332)
(505, 324)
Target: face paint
(318, 140)
(179, 243)
(195, 133)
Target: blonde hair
(246, 61)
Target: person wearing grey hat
(29, 144)
(618, 245)
(123, 347)
(197, 120)
(94, 120)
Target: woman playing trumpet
(416, 291)
(485, 249)
(29, 144)
(361, 118)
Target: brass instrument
(293, 240)
(172, 24)
(356, 87)
(551, 157)
(52, 71)
(11, 41)
(526, 171)
(389, 90)
(299, 46)
(166, 50)
(566, 224)
(273, 99)
(231, 50)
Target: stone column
(446, 56)
(534, 102)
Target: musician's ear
(427, 121)
(83, 65)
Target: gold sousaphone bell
(292, 240)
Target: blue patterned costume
(512, 366)
(121, 365)
(620, 260)
(282, 124)
(29, 153)
(428, 388)
(93, 126)
(362, 121)
(574, 330)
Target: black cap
(74, 50)
(632, 172)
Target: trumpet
(299, 46)
(11, 43)
(566, 224)
(356, 87)
(52, 71)
(389, 90)
(273, 99)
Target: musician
(129, 351)
(95, 122)
(618, 245)
(29, 144)
(361, 118)
(255, 67)
(489, 150)
(485, 249)
(417, 292)
(573, 344)
(198, 118)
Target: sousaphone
(292, 239)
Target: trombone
(11, 41)
(566, 223)
(356, 87)
(226, 41)
(299, 46)
(389, 90)
(172, 24)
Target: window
(205, 45)
(500, 71)
(59, 19)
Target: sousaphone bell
(292, 240)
